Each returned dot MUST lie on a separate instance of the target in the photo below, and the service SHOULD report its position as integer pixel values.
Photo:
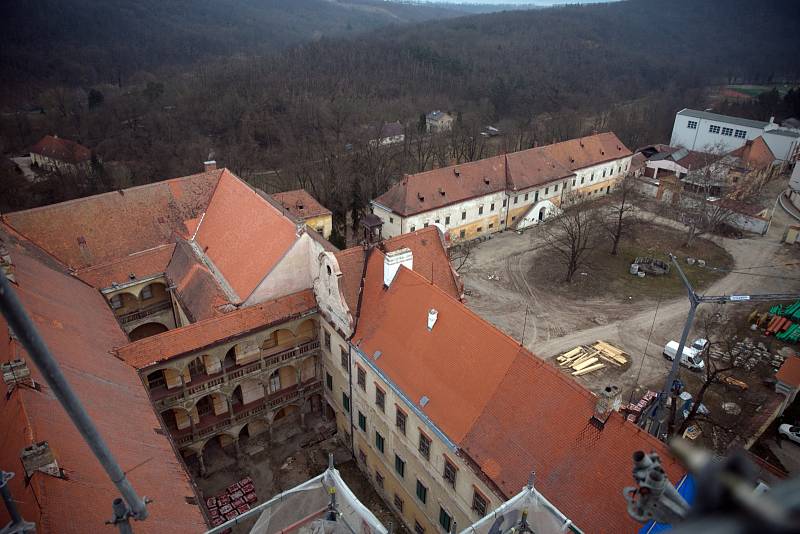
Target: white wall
(702, 140)
(290, 275)
(782, 146)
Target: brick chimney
(210, 165)
(608, 401)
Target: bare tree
(460, 254)
(618, 217)
(571, 234)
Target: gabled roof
(755, 154)
(301, 204)
(80, 330)
(243, 234)
(421, 192)
(201, 334)
(140, 264)
(430, 259)
(104, 228)
(61, 149)
(515, 413)
(196, 289)
(707, 115)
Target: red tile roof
(430, 258)
(80, 329)
(515, 412)
(61, 149)
(789, 373)
(243, 234)
(103, 228)
(301, 204)
(141, 264)
(166, 345)
(196, 289)
(429, 190)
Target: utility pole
(656, 418)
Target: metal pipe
(26, 332)
(18, 524)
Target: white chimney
(210, 165)
(392, 262)
(432, 316)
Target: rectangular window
(462, 233)
(379, 442)
(491, 225)
(418, 529)
(345, 402)
(591, 179)
(491, 208)
(480, 210)
(555, 188)
(727, 131)
(147, 293)
(740, 134)
(463, 215)
(526, 197)
(425, 225)
(400, 420)
(447, 220)
(391, 220)
(399, 466)
(504, 202)
(513, 218)
(437, 221)
(713, 128)
(424, 446)
(413, 228)
(449, 473)
(398, 503)
(380, 398)
(422, 492)
(445, 520)
(479, 504)
(362, 377)
(604, 173)
(692, 125)
(573, 182)
(379, 479)
(362, 421)
(343, 358)
(327, 340)
(329, 381)
(546, 191)
(516, 199)
(480, 229)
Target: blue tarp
(686, 488)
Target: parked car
(790, 432)
(700, 344)
(690, 357)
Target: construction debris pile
(235, 500)
(748, 355)
(587, 359)
(781, 321)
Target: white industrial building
(704, 131)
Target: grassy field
(607, 276)
(755, 90)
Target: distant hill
(91, 41)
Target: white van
(691, 357)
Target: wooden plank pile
(587, 359)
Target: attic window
(486, 180)
(161, 220)
(456, 171)
(420, 197)
(81, 240)
(299, 205)
(441, 191)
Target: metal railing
(147, 312)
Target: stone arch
(285, 413)
(254, 428)
(211, 404)
(156, 380)
(157, 292)
(176, 418)
(308, 368)
(195, 367)
(282, 378)
(248, 391)
(229, 361)
(280, 337)
(307, 330)
(151, 328)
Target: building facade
(515, 190)
(55, 154)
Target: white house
(704, 131)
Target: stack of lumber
(586, 359)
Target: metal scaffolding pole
(26, 332)
(657, 416)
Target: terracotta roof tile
(351, 264)
(102, 228)
(61, 149)
(142, 264)
(301, 204)
(243, 234)
(515, 413)
(789, 373)
(425, 191)
(755, 154)
(80, 329)
(201, 334)
(196, 289)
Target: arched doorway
(146, 330)
(542, 213)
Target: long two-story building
(514, 190)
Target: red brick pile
(234, 501)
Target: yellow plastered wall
(257, 427)
(219, 403)
(325, 222)
(172, 378)
(307, 369)
(471, 230)
(182, 419)
(211, 363)
(288, 375)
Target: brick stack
(234, 501)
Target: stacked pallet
(234, 501)
(587, 359)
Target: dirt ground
(289, 459)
